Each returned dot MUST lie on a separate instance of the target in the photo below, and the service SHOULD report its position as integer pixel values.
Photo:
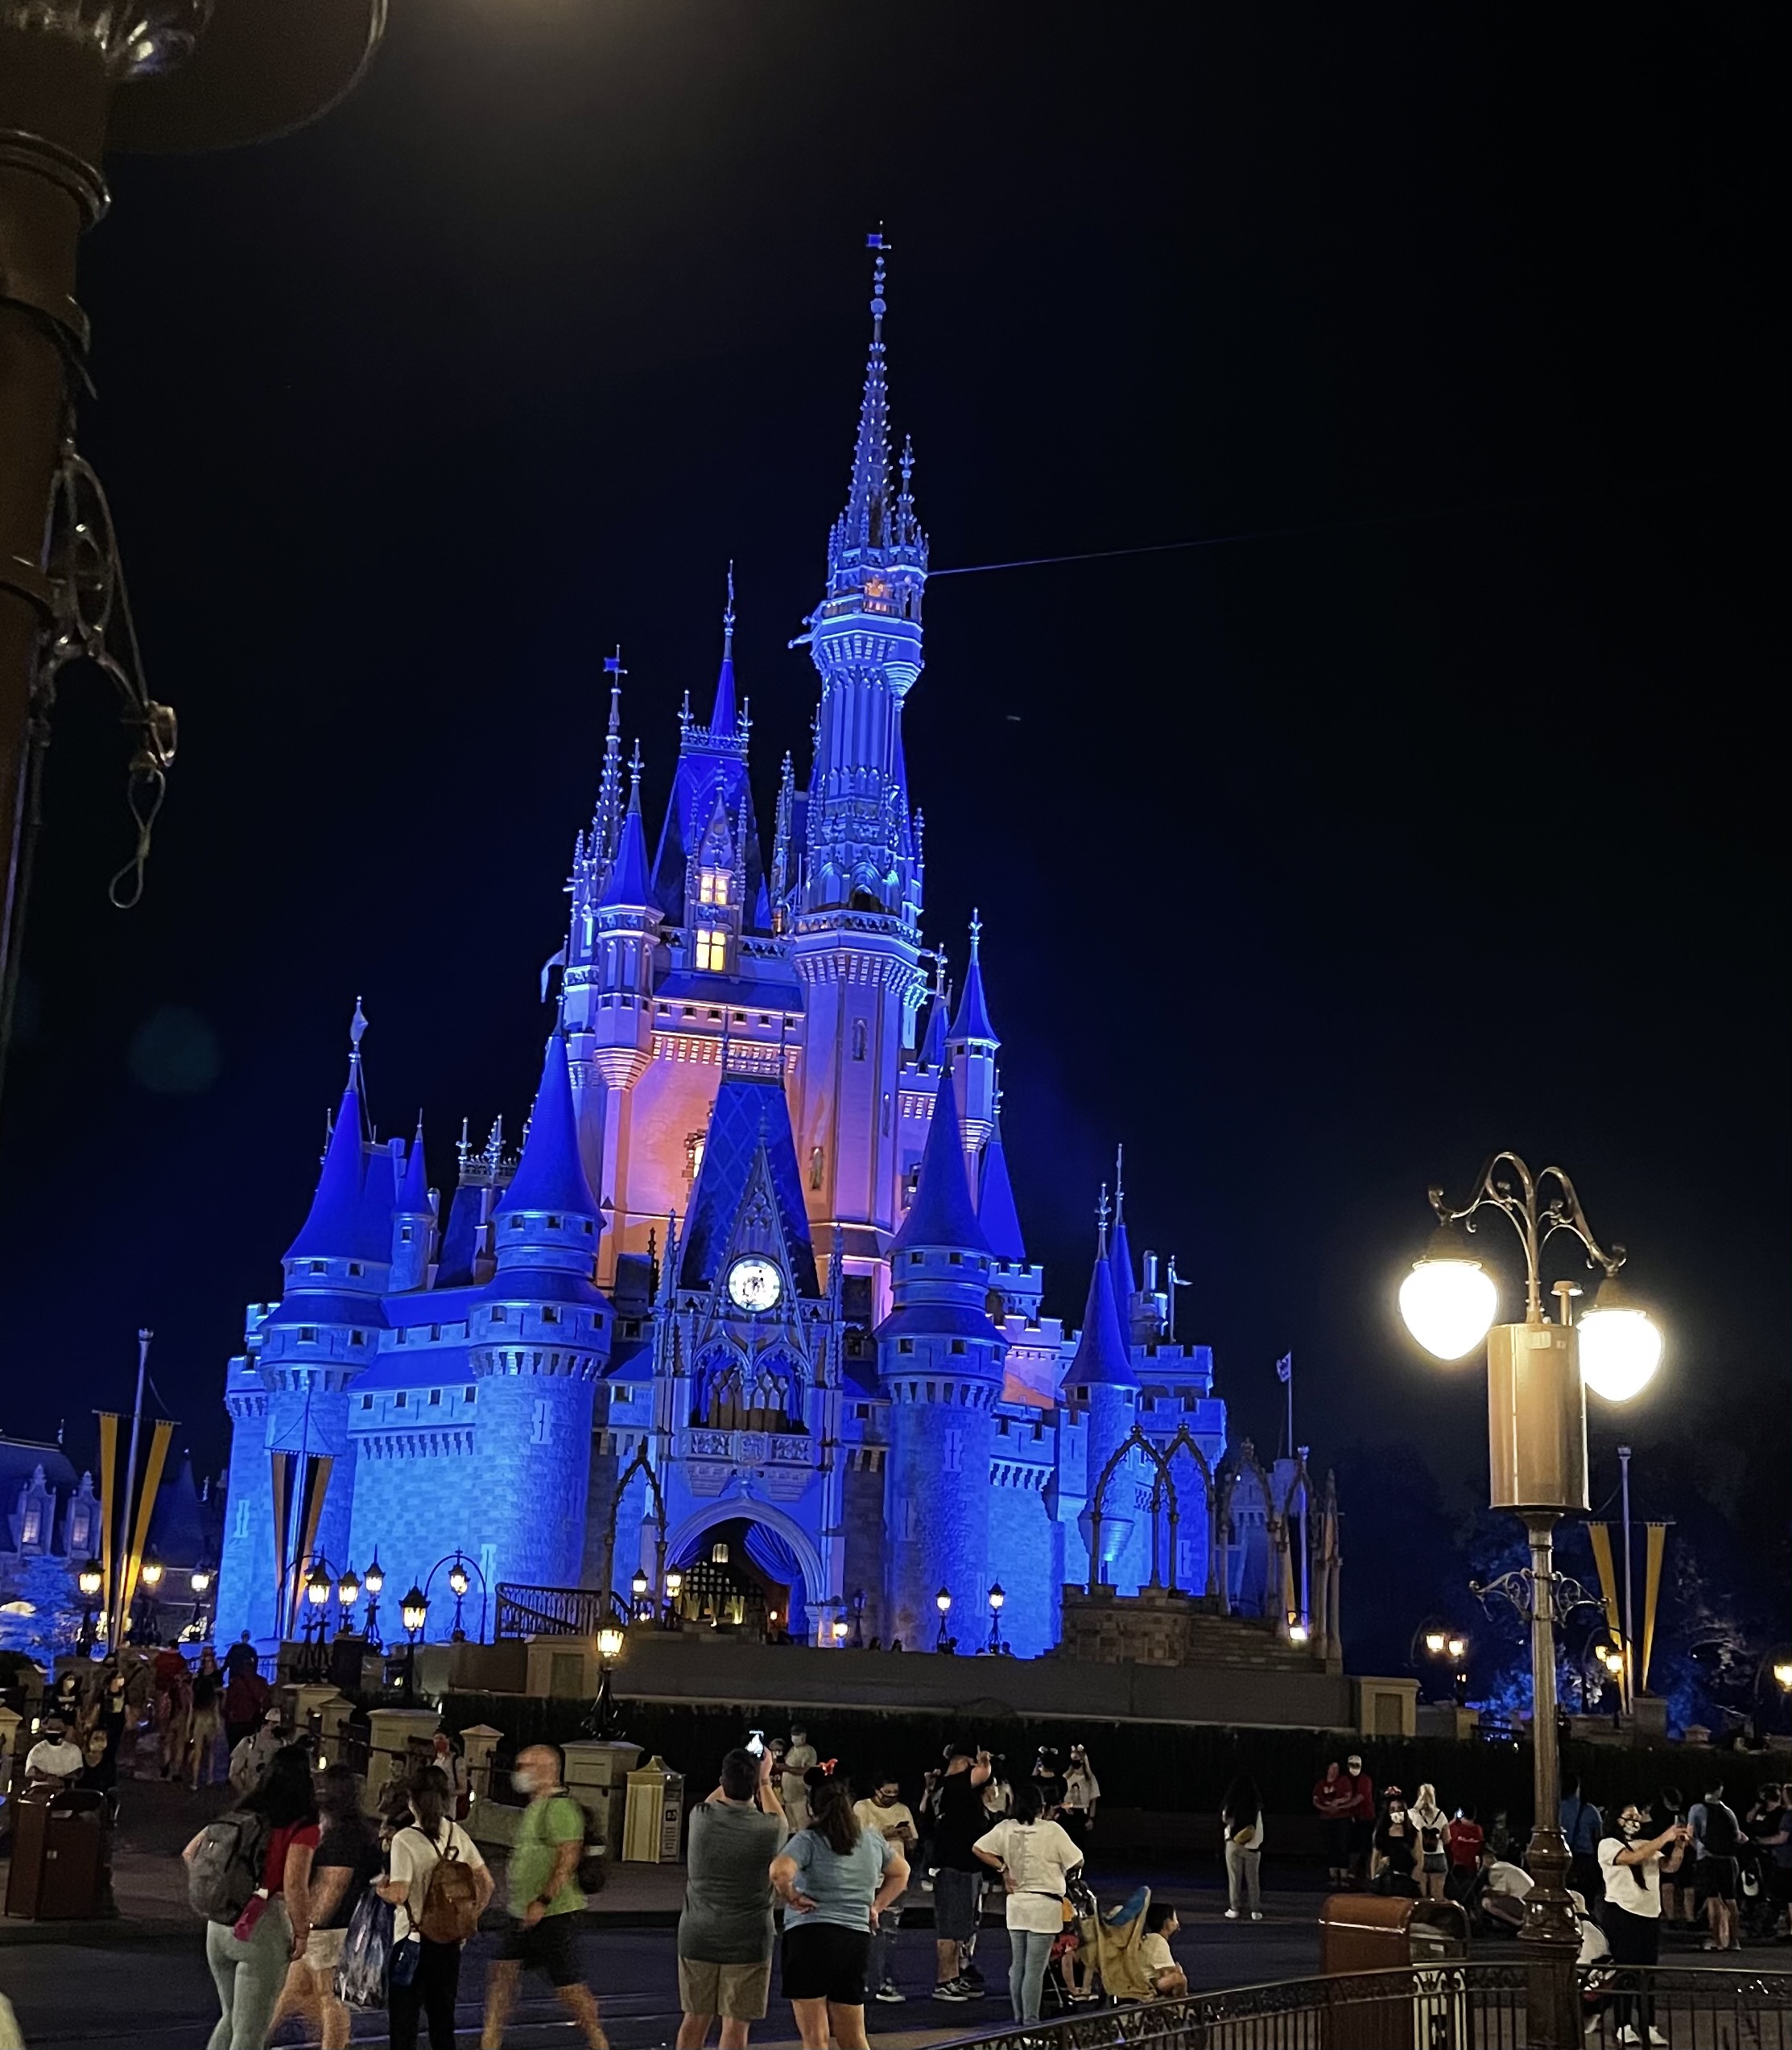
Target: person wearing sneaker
(1241, 1825)
(1035, 1858)
(888, 1815)
(958, 1873)
(1632, 1864)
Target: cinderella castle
(752, 1302)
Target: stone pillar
(596, 1773)
(1649, 1719)
(332, 1726)
(389, 1746)
(479, 1742)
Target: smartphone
(756, 1743)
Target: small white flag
(1285, 1367)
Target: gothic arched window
(858, 1039)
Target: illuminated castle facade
(753, 1299)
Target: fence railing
(555, 1611)
(1469, 2005)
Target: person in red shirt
(1334, 1802)
(1361, 1816)
(1462, 1838)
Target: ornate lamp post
(1537, 1375)
(90, 1580)
(460, 1571)
(997, 1598)
(943, 1602)
(373, 1583)
(602, 1721)
(414, 1611)
(144, 1629)
(638, 1588)
(675, 1587)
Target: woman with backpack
(440, 1885)
(1430, 1822)
(256, 1921)
(1242, 1828)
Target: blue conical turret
(627, 883)
(723, 720)
(942, 1214)
(549, 1199)
(332, 1229)
(973, 1020)
(1120, 1255)
(995, 1211)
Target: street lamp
(839, 1631)
(637, 1587)
(414, 1611)
(90, 1580)
(460, 1573)
(675, 1587)
(943, 1602)
(997, 1598)
(1537, 1435)
(602, 1721)
(374, 1581)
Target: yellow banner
(108, 1509)
(146, 1506)
(320, 1466)
(1601, 1536)
(1652, 1589)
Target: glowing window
(712, 886)
(31, 1530)
(712, 949)
(693, 1154)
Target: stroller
(1115, 1938)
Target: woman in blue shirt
(834, 1879)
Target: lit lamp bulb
(639, 1583)
(317, 1585)
(1782, 1674)
(458, 1580)
(200, 1578)
(840, 1628)
(1621, 1346)
(1446, 1301)
(1457, 1647)
(943, 1601)
(1297, 1631)
(91, 1578)
(376, 1577)
(348, 1589)
(610, 1641)
(1434, 1643)
(151, 1570)
(675, 1585)
(414, 1609)
(996, 1597)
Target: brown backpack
(450, 1904)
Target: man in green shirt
(544, 1897)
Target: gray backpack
(226, 1866)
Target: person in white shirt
(417, 1849)
(1241, 1825)
(1035, 1857)
(1168, 1978)
(1082, 1791)
(1631, 1863)
(886, 1814)
(1504, 1890)
(54, 1759)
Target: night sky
(1314, 866)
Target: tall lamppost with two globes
(1537, 1373)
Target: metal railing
(1465, 2005)
(555, 1611)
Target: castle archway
(768, 1553)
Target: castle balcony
(783, 1464)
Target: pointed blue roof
(942, 1214)
(995, 1211)
(1103, 1358)
(330, 1231)
(723, 719)
(750, 1113)
(627, 881)
(933, 1045)
(1119, 1262)
(972, 1021)
(550, 1176)
(413, 1194)
(379, 1197)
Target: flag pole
(121, 1617)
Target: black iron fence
(1465, 2005)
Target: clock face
(754, 1284)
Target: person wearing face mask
(1361, 1816)
(545, 1902)
(1632, 1863)
(1399, 1858)
(1333, 1802)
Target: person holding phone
(725, 1935)
(890, 1815)
(1632, 1864)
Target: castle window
(712, 886)
(358, 1337)
(958, 1345)
(817, 1161)
(354, 1267)
(915, 1260)
(307, 1334)
(550, 1314)
(516, 1224)
(366, 1402)
(403, 1334)
(863, 1410)
(31, 1528)
(712, 950)
(498, 1313)
(858, 1039)
(404, 1235)
(399, 1401)
(435, 1398)
(435, 1330)
(905, 1345)
(694, 1143)
(954, 1259)
(467, 1395)
(543, 1432)
(586, 1222)
(77, 1530)
(317, 1267)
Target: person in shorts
(545, 1902)
(346, 1862)
(725, 1935)
(835, 1880)
(958, 1874)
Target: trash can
(1374, 1932)
(653, 1821)
(58, 1857)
